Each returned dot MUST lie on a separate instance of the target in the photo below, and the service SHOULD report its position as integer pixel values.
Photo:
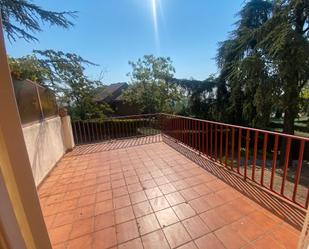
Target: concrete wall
(45, 144)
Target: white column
(68, 138)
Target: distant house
(112, 95)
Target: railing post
(303, 241)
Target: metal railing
(95, 131)
(278, 162)
(275, 161)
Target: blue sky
(112, 32)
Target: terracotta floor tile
(133, 244)
(103, 187)
(104, 220)
(138, 197)
(200, 205)
(86, 200)
(142, 208)
(195, 227)
(118, 183)
(105, 238)
(180, 185)
(122, 201)
(124, 214)
(189, 194)
(161, 180)
(248, 229)
(155, 240)
(86, 212)
(229, 213)
(189, 245)
(120, 191)
(60, 246)
(209, 241)
(184, 211)
(104, 195)
(60, 234)
(228, 194)
(68, 205)
(285, 237)
(268, 242)
(166, 217)
(87, 190)
(55, 198)
(175, 198)
(67, 217)
(149, 184)
(147, 224)
(153, 193)
(51, 209)
(159, 203)
(103, 207)
(136, 187)
(243, 206)
(213, 219)
(230, 238)
(49, 220)
(202, 189)
(176, 235)
(167, 188)
(127, 231)
(214, 200)
(82, 227)
(81, 242)
(262, 220)
(131, 179)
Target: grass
(301, 126)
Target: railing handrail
(241, 127)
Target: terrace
(163, 181)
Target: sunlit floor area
(151, 196)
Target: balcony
(172, 182)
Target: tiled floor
(152, 197)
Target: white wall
(45, 146)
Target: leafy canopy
(151, 87)
(22, 18)
(264, 64)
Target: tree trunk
(288, 121)
(290, 113)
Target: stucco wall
(45, 146)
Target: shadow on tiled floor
(153, 197)
(113, 145)
(289, 212)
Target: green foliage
(151, 87)
(64, 74)
(264, 65)
(20, 18)
(27, 67)
(200, 97)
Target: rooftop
(111, 93)
(147, 193)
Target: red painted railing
(95, 131)
(273, 160)
(276, 161)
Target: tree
(64, 74)
(20, 18)
(151, 87)
(265, 61)
(201, 96)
